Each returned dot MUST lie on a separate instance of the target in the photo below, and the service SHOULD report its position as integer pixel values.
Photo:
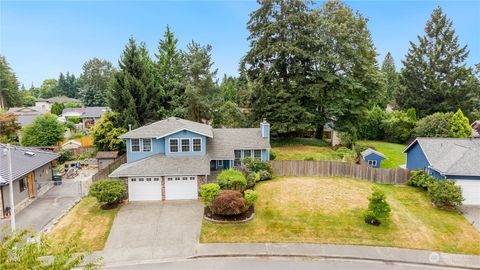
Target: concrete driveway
(472, 214)
(154, 230)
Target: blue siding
(375, 157)
(185, 134)
(416, 159)
(463, 177)
(158, 147)
(435, 174)
(265, 155)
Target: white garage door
(470, 190)
(181, 187)
(144, 189)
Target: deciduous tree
(9, 128)
(45, 130)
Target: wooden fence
(335, 168)
(103, 174)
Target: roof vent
(30, 154)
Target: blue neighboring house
(372, 158)
(449, 158)
(171, 158)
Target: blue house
(171, 158)
(449, 158)
(372, 158)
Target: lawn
(329, 210)
(393, 152)
(86, 217)
(301, 148)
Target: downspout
(3, 202)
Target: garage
(470, 191)
(181, 187)
(144, 189)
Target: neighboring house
(449, 158)
(71, 144)
(26, 115)
(476, 129)
(330, 134)
(46, 104)
(171, 158)
(89, 115)
(31, 170)
(105, 158)
(372, 158)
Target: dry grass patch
(329, 210)
(89, 220)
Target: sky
(41, 39)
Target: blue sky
(42, 39)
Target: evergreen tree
(434, 76)
(48, 89)
(170, 77)
(67, 85)
(9, 93)
(94, 80)
(201, 93)
(133, 86)
(460, 126)
(392, 78)
(229, 89)
(277, 64)
(106, 136)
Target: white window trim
(151, 144)
(219, 163)
(169, 145)
(201, 148)
(189, 145)
(372, 162)
(139, 145)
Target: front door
(31, 185)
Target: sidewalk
(348, 252)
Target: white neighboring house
(89, 115)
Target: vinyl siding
(185, 135)
(416, 159)
(158, 147)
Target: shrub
(250, 196)
(78, 134)
(232, 179)
(273, 155)
(243, 169)
(309, 157)
(228, 203)
(444, 193)
(75, 119)
(264, 175)
(209, 192)
(108, 191)
(65, 155)
(434, 125)
(251, 180)
(256, 165)
(420, 179)
(373, 128)
(378, 208)
(399, 126)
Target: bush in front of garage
(445, 194)
(229, 203)
(209, 192)
(232, 179)
(108, 192)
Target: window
(177, 178)
(156, 179)
(197, 145)
(133, 179)
(135, 145)
(192, 177)
(149, 179)
(184, 178)
(147, 145)
(22, 184)
(169, 178)
(247, 153)
(173, 145)
(257, 154)
(238, 158)
(140, 179)
(219, 163)
(185, 145)
(372, 162)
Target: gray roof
(26, 115)
(59, 100)
(168, 126)
(452, 156)
(160, 165)
(369, 151)
(24, 160)
(88, 112)
(226, 140)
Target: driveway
(472, 214)
(154, 230)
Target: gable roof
(370, 151)
(168, 126)
(24, 160)
(33, 110)
(87, 112)
(451, 156)
(59, 100)
(226, 140)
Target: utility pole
(10, 187)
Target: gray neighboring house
(47, 103)
(27, 115)
(32, 171)
(89, 115)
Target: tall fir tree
(392, 78)
(9, 92)
(67, 85)
(434, 77)
(133, 86)
(277, 64)
(94, 80)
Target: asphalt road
(272, 263)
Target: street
(261, 263)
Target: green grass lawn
(89, 220)
(301, 148)
(393, 152)
(329, 210)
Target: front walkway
(144, 231)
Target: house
(372, 158)
(26, 115)
(89, 115)
(71, 144)
(32, 173)
(476, 129)
(46, 104)
(105, 158)
(449, 158)
(171, 158)
(330, 134)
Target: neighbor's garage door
(144, 189)
(181, 187)
(470, 190)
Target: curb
(49, 226)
